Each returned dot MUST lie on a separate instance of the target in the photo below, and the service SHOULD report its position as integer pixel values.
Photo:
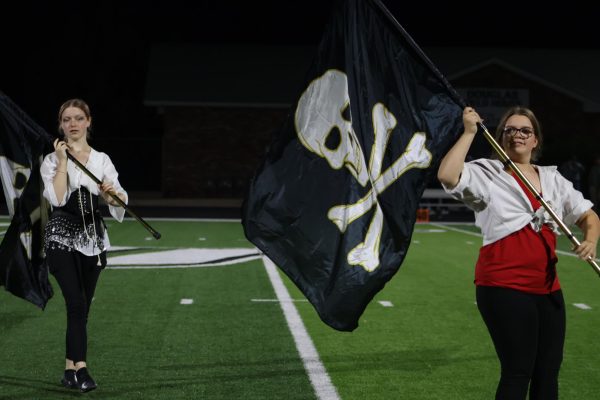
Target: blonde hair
(77, 103)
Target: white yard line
(315, 369)
(561, 252)
(187, 219)
(226, 263)
(456, 229)
(276, 300)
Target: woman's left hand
(586, 249)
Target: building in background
(219, 105)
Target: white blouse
(100, 165)
(501, 207)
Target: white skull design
(320, 113)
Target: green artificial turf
(144, 344)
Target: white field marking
(429, 230)
(315, 369)
(582, 306)
(561, 252)
(188, 219)
(571, 254)
(457, 230)
(417, 241)
(183, 258)
(4, 223)
(469, 242)
(186, 301)
(386, 303)
(202, 239)
(276, 300)
(117, 248)
(175, 266)
(148, 238)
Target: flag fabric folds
(23, 145)
(334, 203)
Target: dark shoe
(85, 383)
(68, 379)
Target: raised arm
(453, 162)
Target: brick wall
(214, 151)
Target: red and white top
(515, 252)
(524, 260)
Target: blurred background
(185, 95)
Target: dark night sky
(98, 50)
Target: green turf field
(233, 341)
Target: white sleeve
(473, 185)
(111, 174)
(48, 171)
(573, 203)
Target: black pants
(77, 275)
(528, 332)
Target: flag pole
(42, 134)
(503, 156)
(536, 194)
(116, 198)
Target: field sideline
(201, 314)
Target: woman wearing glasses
(517, 288)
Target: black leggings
(528, 332)
(77, 275)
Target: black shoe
(85, 383)
(68, 379)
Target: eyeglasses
(512, 131)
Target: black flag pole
(116, 198)
(497, 148)
(42, 133)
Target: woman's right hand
(61, 147)
(453, 162)
(470, 120)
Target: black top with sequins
(76, 224)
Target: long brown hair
(537, 129)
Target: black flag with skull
(23, 145)
(334, 203)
